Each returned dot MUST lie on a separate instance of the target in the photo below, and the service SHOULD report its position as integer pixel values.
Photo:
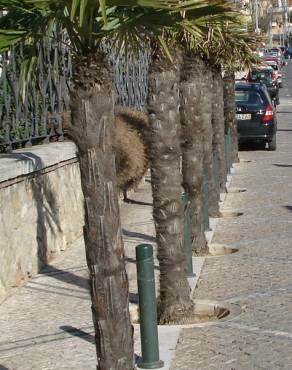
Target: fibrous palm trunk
(92, 107)
(219, 126)
(207, 95)
(193, 114)
(164, 154)
(230, 111)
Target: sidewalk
(47, 324)
(258, 277)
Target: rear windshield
(260, 76)
(248, 97)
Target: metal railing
(36, 115)
(33, 112)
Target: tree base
(175, 313)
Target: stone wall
(41, 209)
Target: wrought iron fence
(131, 76)
(36, 115)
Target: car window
(248, 97)
(273, 65)
(260, 76)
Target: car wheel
(272, 145)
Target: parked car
(278, 71)
(255, 114)
(267, 76)
(277, 54)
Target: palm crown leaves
(88, 21)
(209, 27)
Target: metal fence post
(228, 160)
(216, 170)
(230, 150)
(206, 200)
(226, 153)
(148, 308)
(187, 240)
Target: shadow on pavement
(65, 276)
(89, 337)
(138, 202)
(251, 146)
(132, 234)
(282, 165)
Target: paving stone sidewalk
(47, 324)
(258, 278)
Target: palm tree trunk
(164, 154)
(218, 125)
(193, 117)
(229, 111)
(92, 107)
(207, 96)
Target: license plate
(243, 117)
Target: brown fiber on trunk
(194, 119)
(230, 111)
(219, 125)
(92, 107)
(131, 159)
(164, 154)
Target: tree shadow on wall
(45, 202)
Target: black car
(255, 114)
(266, 76)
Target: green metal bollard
(206, 201)
(187, 240)
(148, 308)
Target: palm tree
(233, 51)
(219, 124)
(202, 114)
(92, 106)
(92, 109)
(164, 153)
(196, 117)
(194, 124)
(164, 107)
(229, 111)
